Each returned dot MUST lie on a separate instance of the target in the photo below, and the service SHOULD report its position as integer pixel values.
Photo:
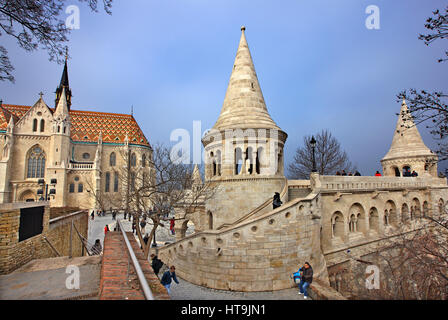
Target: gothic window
(80, 188)
(144, 160)
(373, 219)
(36, 163)
(112, 159)
(133, 160)
(107, 187)
(337, 225)
(34, 125)
(71, 188)
(132, 181)
(116, 182)
(352, 223)
(238, 160)
(386, 217)
(404, 212)
(42, 125)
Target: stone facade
(242, 244)
(15, 253)
(83, 152)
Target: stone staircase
(296, 193)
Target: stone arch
(238, 160)
(337, 225)
(396, 171)
(425, 209)
(441, 206)
(405, 213)
(218, 162)
(210, 220)
(260, 159)
(112, 159)
(390, 214)
(42, 125)
(249, 161)
(27, 196)
(415, 209)
(406, 170)
(188, 228)
(357, 216)
(35, 125)
(374, 219)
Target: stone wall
(256, 255)
(14, 254)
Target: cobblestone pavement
(185, 290)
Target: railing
(88, 166)
(138, 268)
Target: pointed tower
(408, 150)
(244, 149)
(64, 84)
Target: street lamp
(45, 186)
(313, 147)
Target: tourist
(97, 248)
(343, 173)
(156, 264)
(134, 227)
(414, 174)
(172, 223)
(350, 174)
(168, 277)
(125, 214)
(92, 215)
(276, 202)
(357, 174)
(106, 229)
(143, 225)
(377, 174)
(306, 279)
(338, 173)
(114, 214)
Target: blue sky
(318, 65)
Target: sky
(318, 65)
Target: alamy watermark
(73, 280)
(73, 21)
(372, 277)
(373, 20)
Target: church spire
(64, 84)
(244, 105)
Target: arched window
(144, 160)
(337, 225)
(42, 125)
(116, 176)
(373, 219)
(391, 214)
(404, 213)
(71, 188)
(36, 163)
(112, 159)
(80, 188)
(238, 161)
(34, 125)
(107, 186)
(352, 223)
(218, 162)
(210, 220)
(133, 160)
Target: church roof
(244, 106)
(86, 126)
(407, 141)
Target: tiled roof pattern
(87, 126)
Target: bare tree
(155, 196)
(329, 157)
(34, 24)
(426, 106)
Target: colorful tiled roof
(87, 125)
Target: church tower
(64, 84)
(244, 149)
(408, 151)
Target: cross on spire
(41, 94)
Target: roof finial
(132, 110)
(41, 94)
(66, 53)
(243, 28)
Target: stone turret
(408, 151)
(244, 149)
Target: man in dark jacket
(306, 279)
(156, 264)
(166, 279)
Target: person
(143, 225)
(114, 214)
(414, 174)
(306, 279)
(106, 229)
(125, 213)
(167, 277)
(377, 174)
(156, 264)
(296, 276)
(172, 226)
(357, 174)
(92, 215)
(343, 173)
(133, 227)
(338, 173)
(276, 202)
(97, 248)
(350, 174)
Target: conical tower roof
(244, 105)
(197, 179)
(407, 141)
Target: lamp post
(45, 191)
(313, 147)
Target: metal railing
(138, 268)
